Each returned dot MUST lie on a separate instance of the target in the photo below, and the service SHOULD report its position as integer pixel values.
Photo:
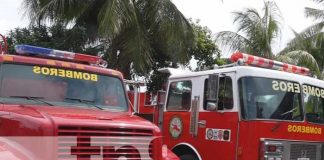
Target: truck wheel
(188, 157)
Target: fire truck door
(217, 127)
(188, 120)
(176, 117)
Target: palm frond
(316, 14)
(247, 21)
(301, 58)
(256, 34)
(114, 15)
(318, 1)
(134, 47)
(231, 41)
(285, 59)
(137, 29)
(272, 19)
(55, 10)
(271, 25)
(173, 31)
(305, 39)
(150, 11)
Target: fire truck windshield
(48, 85)
(314, 103)
(264, 98)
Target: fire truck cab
(63, 105)
(270, 112)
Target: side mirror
(213, 88)
(161, 98)
(150, 99)
(211, 106)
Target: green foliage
(133, 30)
(56, 37)
(310, 41)
(300, 58)
(205, 51)
(156, 80)
(315, 13)
(256, 33)
(139, 36)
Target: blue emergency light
(40, 51)
(47, 52)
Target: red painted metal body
(144, 101)
(246, 136)
(26, 120)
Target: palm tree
(256, 33)
(301, 58)
(315, 13)
(310, 40)
(134, 30)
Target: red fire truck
(253, 109)
(63, 105)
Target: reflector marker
(66, 64)
(245, 59)
(7, 58)
(51, 63)
(78, 66)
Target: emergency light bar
(245, 59)
(65, 55)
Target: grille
(100, 143)
(303, 150)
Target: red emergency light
(65, 55)
(246, 59)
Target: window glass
(225, 95)
(314, 103)
(264, 98)
(179, 96)
(60, 87)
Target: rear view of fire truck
(253, 109)
(62, 105)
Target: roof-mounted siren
(246, 59)
(58, 54)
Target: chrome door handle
(202, 123)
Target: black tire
(188, 157)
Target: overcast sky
(217, 14)
(214, 14)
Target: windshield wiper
(290, 111)
(37, 99)
(89, 102)
(286, 116)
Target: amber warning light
(64, 55)
(246, 59)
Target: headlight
(271, 150)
